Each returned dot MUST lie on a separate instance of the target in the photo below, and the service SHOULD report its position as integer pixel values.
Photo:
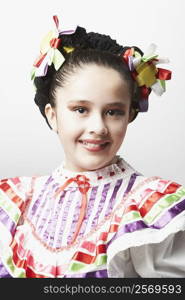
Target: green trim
(162, 204)
(10, 208)
(11, 267)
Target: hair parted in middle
(96, 48)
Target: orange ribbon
(83, 185)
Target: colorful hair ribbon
(146, 74)
(48, 51)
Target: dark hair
(89, 48)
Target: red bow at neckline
(84, 185)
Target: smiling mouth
(94, 147)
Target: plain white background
(154, 143)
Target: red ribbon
(82, 182)
(145, 92)
(84, 185)
(56, 20)
(54, 43)
(128, 52)
(163, 74)
(39, 60)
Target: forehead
(92, 82)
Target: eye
(80, 109)
(113, 112)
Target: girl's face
(93, 105)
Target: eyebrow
(120, 104)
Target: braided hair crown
(93, 40)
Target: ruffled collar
(106, 174)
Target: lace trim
(116, 169)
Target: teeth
(92, 145)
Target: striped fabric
(36, 228)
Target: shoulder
(15, 187)
(14, 195)
(155, 189)
(154, 202)
(159, 203)
(152, 213)
(18, 190)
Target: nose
(97, 125)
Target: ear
(51, 117)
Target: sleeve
(150, 241)
(165, 259)
(14, 194)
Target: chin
(96, 166)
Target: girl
(94, 216)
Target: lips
(96, 142)
(94, 145)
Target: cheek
(68, 129)
(63, 121)
(119, 136)
(119, 128)
(119, 131)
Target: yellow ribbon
(146, 74)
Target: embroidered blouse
(112, 222)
